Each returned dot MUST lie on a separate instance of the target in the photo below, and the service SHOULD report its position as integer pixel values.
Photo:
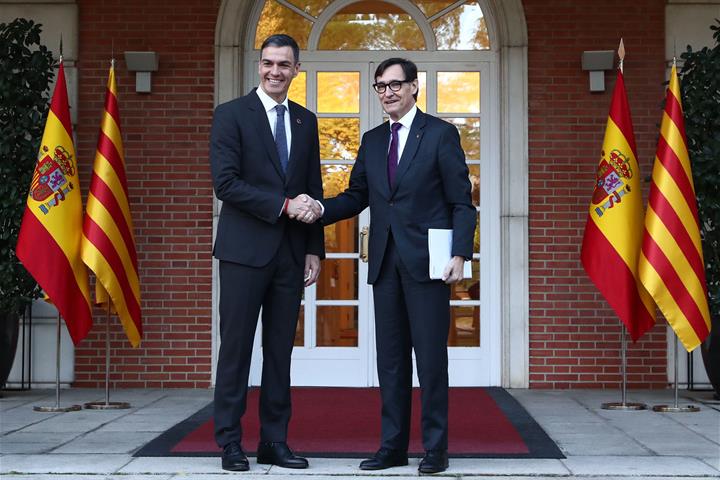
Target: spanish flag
(49, 239)
(613, 231)
(108, 244)
(671, 264)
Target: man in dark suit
(411, 172)
(264, 155)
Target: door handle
(364, 243)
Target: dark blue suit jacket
(247, 177)
(431, 190)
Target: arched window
(377, 25)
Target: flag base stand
(50, 409)
(107, 404)
(57, 408)
(676, 408)
(623, 405)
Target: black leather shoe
(385, 458)
(434, 461)
(234, 459)
(278, 453)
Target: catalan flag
(108, 243)
(50, 235)
(613, 230)
(671, 264)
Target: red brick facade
(573, 335)
(166, 150)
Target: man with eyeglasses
(411, 172)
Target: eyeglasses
(394, 86)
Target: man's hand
(454, 270)
(303, 208)
(312, 269)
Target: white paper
(440, 248)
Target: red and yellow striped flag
(49, 239)
(671, 264)
(108, 244)
(613, 231)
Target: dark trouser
(411, 314)
(277, 288)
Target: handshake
(304, 208)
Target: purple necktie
(393, 154)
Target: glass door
(335, 343)
(333, 338)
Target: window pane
(458, 92)
(431, 7)
(313, 7)
(469, 129)
(300, 330)
(340, 237)
(338, 92)
(422, 94)
(371, 25)
(338, 279)
(339, 138)
(276, 18)
(337, 326)
(463, 28)
(464, 326)
(475, 182)
(298, 89)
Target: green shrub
(26, 70)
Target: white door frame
(508, 36)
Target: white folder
(440, 248)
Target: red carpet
(345, 422)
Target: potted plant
(700, 76)
(26, 70)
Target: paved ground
(602, 444)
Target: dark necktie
(280, 137)
(393, 154)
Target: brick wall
(574, 336)
(166, 152)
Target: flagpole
(57, 407)
(624, 404)
(676, 408)
(107, 404)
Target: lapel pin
(298, 121)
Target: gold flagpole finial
(674, 61)
(112, 53)
(61, 49)
(621, 54)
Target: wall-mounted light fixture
(596, 62)
(143, 64)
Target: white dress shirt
(404, 131)
(270, 105)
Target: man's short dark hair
(408, 68)
(282, 40)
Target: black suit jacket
(431, 190)
(249, 180)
